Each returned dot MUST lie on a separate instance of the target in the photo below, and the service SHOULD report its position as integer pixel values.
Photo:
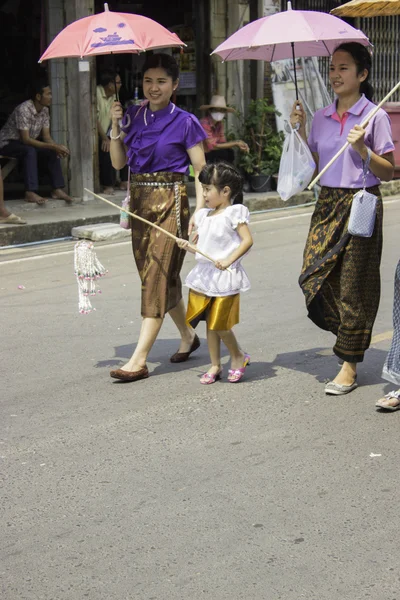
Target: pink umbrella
(110, 33)
(276, 37)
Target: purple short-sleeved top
(158, 141)
(329, 133)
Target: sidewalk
(56, 219)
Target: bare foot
(132, 366)
(109, 191)
(390, 402)
(33, 197)
(187, 342)
(347, 374)
(123, 185)
(237, 361)
(59, 194)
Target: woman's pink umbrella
(289, 34)
(110, 33)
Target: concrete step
(101, 232)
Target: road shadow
(313, 361)
(324, 367)
(164, 348)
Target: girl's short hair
(362, 57)
(162, 61)
(222, 174)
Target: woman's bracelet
(115, 138)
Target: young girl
(224, 235)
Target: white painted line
(54, 254)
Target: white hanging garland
(88, 269)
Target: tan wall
(228, 79)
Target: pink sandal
(208, 378)
(235, 375)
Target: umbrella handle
(346, 145)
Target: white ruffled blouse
(218, 238)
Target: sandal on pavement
(209, 378)
(12, 220)
(235, 375)
(395, 395)
(337, 389)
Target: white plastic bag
(297, 166)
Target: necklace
(145, 113)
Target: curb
(21, 234)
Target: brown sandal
(130, 375)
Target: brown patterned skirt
(340, 277)
(157, 256)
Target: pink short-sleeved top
(329, 132)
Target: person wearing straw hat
(215, 146)
(340, 277)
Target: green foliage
(264, 142)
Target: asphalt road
(168, 490)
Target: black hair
(162, 61)
(107, 76)
(221, 174)
(362, 58)
(38, 87)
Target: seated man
(215, 146)
(19, 138)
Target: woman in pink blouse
(158, 141)
(341, 272)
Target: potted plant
(265, 144)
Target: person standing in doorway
(106, 94)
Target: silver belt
(177, 192)
(156, 183)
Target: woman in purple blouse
(340, 277)
(158, 141)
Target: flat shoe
(130, 375)
(336, 389)
(179, 357)
(389, 396)
(12, 220)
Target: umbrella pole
(115, 78)
(346, 145)
(294, 70)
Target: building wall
(57, 80)
(232, 78)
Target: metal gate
(384, 34)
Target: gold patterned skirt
(221, 313)
(160, 198)
(340, 277)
